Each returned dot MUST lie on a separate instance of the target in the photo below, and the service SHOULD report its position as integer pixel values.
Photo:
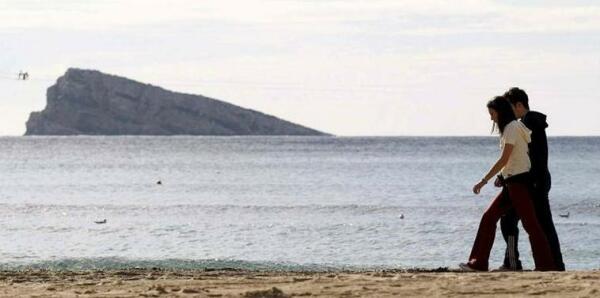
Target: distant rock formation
(88, 102)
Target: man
(538, 154)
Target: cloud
(404, 17)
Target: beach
(237, 283)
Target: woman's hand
(478, 186)
(497, 182)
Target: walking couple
(525, 182)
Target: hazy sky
(345, 67)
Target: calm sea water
(271, 202)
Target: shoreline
(243, 283)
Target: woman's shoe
(466, 267)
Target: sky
(349, 68)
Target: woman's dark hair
(505, 112)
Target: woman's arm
(508, 148)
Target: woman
(514, 167)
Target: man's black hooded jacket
(538, 149)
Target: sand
(232, 283)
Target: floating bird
(100, 221)
(159, 182)
(401, 216)
(565, 215)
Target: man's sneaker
(505, 268)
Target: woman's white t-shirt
(517, 134)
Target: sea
(272, 203)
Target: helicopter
(23, 76)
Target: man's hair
(515, 95)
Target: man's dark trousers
(510, 231)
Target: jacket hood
(524, 131)
(535, 120)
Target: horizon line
(325, 136)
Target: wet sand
(233, 283)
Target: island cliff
(88, 102)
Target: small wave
(222, 207)
(114, 263)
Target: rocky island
(88, 102)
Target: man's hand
(478, 186)
(497, 182)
